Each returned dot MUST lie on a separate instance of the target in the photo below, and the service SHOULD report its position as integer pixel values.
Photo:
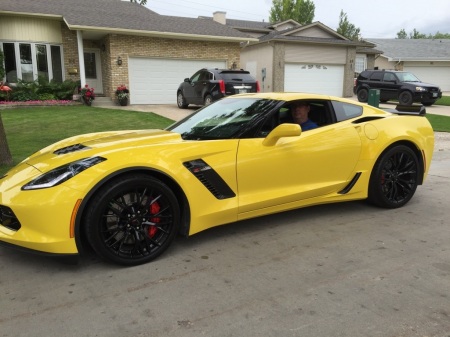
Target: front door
(93, 70)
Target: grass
(30, 129)
(444, 100)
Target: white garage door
(318, 79)
(155, 81)
(439, 76)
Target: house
(428, 59)
(107, 43)
(289, 56)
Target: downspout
(81, 58)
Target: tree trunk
(5, 154)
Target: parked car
(396, 85)
(127, 194)
(209, 85)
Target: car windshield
(407, 77)
(224, 119)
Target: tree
(416, 35)
(141, 2)
(5, 154)
(347, 29)
(402, 34)
(301, 11)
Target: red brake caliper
(154, 209)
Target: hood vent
(71, 148)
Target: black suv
(396, 85)
(209, 85)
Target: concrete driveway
(333, 270)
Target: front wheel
(394, 178)
(181, 101)
(405, 98)
(363, 95)
(132, 219)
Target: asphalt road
(332, 270)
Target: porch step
(103, 101)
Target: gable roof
(121, 17)
(414, 49)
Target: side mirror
(282, 130)
(187, 80)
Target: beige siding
(256, 58)
(314, 32)
(318, 54)
(383, 63)
(14, 28)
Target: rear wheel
(363, 95)
(181, 101)
(405, 98)
(132, 219)
(208, 100)
(394, 178)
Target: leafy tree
(301, 11)
(402, 34)
(347, 29)
(416, 35)
(141, 2)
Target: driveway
(333, 270)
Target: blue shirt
(308, 125)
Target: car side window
(389, 77)
(346, 111)
(376, 76)
(196, 76)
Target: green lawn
(30, 129)
(444, 100)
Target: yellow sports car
(128, 193)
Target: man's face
(300, 113)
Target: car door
(190, 93)
(390, 86)
(316, 163)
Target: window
(28, 61)
(346, 111)
(376, 76)
(360, 64)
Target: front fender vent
(210, 179)
(8, 219)
(71, 148)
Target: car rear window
(230, 76)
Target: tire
(363, 95)
(405, 98)
(208, 100)
(394, 178)
(132, 219)
(181, 101)
(428, 103)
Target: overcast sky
(375, 19)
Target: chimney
(220, 17)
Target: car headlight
(421, 89)
(62, 173)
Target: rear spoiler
(411, 110)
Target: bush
(42, 90)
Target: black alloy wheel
(405, 98)
(132, 219)
(394, 178)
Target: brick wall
(127, 46)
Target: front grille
(8, 218)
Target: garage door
(155, 81)
(319, 79)
(439, 76)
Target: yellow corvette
(128, 193)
